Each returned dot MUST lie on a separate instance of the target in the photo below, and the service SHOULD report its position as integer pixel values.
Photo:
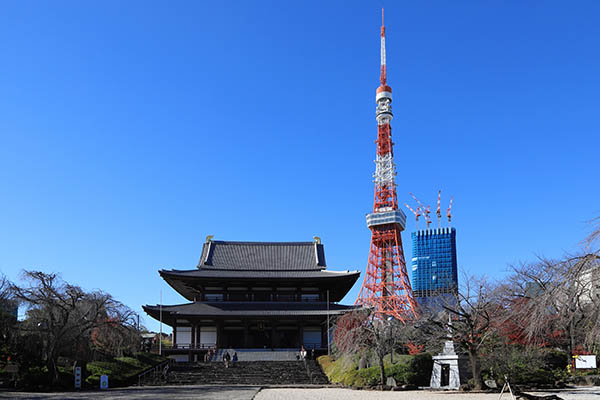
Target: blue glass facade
(434, 267)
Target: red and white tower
(386, 287)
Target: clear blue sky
(131, 130)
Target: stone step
(247, 372)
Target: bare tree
(64, 315)
(555, 302)
(364, 331)
(594, 235)
(8, 317)
(115, 338)
(474, 315)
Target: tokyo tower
(386, 287)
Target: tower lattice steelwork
(386, 286)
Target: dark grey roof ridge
(332, 271)
(261, 243)
(278, 303)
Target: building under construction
(434, 267)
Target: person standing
(226, 359)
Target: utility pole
(328, 339)
(160, 335)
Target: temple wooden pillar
(219, 334)
(273, 336)
(300, 341)
(246, 334)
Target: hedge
(409, 370)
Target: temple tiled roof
(232, 274)
(250, 309)
(262, 256)
(188, 282)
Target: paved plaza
(213, 392)
(348, 394)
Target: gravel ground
(583, 393)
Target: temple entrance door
(233, 338)
(260, 335)
(288, 338)
(445, 378)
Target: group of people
(228, 360)
(209, 354)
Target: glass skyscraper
(434, 267)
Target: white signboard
(585, 362)
(77, 377)
(103, 381)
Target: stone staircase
(247, 373)
(316, 374)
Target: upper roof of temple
(238, 265)
(262, 256)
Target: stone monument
(449, 369)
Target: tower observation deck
(386, 287)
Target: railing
(161, 370)
(312, 346)
(191, 346)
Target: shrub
(414, 370)
(367, 377)
(421, 365)
(35, 378)
(556, 359)
(402, 373)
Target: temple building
(267, 295)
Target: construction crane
(426, 216)
(449, 209)
(417, 215)
(426, 210)
(438, 211)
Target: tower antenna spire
(383, 77)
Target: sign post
(585, 361)
(103, 381)
(77, 377)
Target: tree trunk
(572, 344)
(475, 369)
(52, 371)
(382, 369)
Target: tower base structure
(386, 287)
